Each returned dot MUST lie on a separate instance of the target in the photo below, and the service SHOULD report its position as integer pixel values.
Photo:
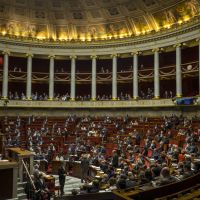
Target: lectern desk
(17, 154)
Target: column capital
(198, 40)
(51, 56)
(115, 55)
(179, 44)
(94, 56)
(157, 50)
(6, 52)
(29, 55)
(136, 53)
(73, 57)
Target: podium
(19, 155)
(8, 184)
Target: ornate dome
(85, 20)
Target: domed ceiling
(87, 20)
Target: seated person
(130, 181)
(59, 157)
(112, 182)
(84, 189)
(165, 177)
(42, 191)
(187, 172)
(94, 187)
(121, 183)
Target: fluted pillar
(135, 75)
(73, 77)
(29, 76)
(94, 66)
(114, 76)
(51, 77)
(178, 71)
(156, 74)
(5, 75)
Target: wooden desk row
(74, 167)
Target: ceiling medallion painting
(91, 20)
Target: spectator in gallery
(102, 70)
(14, 69)
(166, 94)
(170, 94)
(16, 96)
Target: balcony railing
(166, 73)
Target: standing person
(61, 174)
(84, 168)
(115, 159)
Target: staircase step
(20, 190)
(21, 196)
(21, 184)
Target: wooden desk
(150, 193)
(50, 183)
(75, 167)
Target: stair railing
(31, 180)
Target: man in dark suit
(115, 159)
(84, 168)
(61, 174)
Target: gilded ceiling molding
(66, 21)
(194, 25)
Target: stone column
(114, 76)
(29, 76)
(178, 71)
(15, 173)
(199, 65)
(51, 77)
(5, 75)
(135, 75)
(156, 74)
(94, 71)
(73, 78)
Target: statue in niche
(101, 29)
(170, 18)
(31, 30)
(92, 30)
(11, 27)
(192, 5)
(113, 29)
